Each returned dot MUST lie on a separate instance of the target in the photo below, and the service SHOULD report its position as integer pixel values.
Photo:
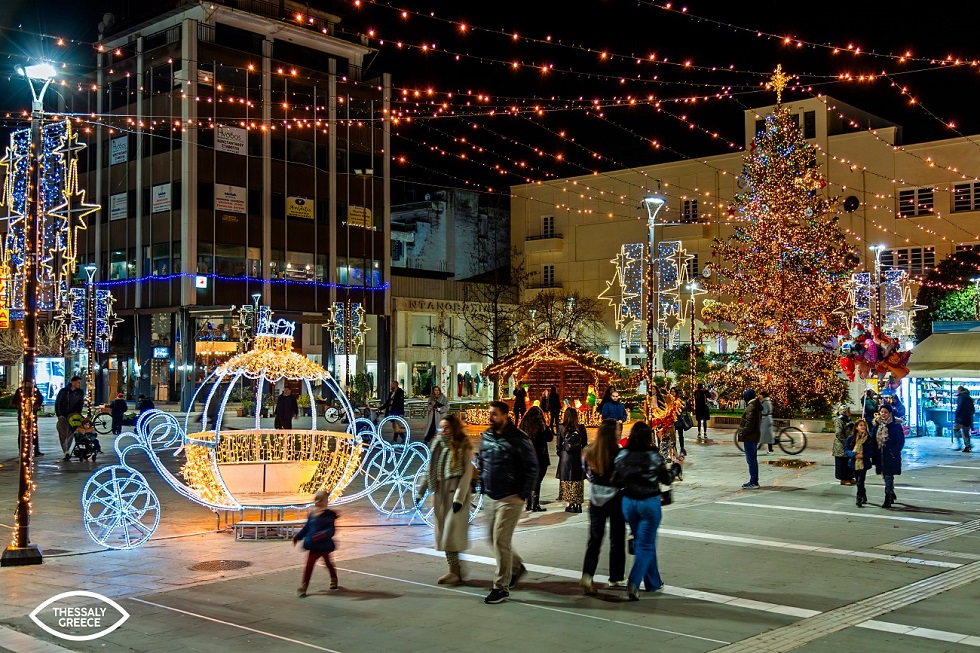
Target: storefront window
(121, 266)
(299, 266)
(204, 258)
(422, 330)
(229, 260)
(358, 272)
(156, 260)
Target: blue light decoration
(62, 212)
(76, 320)
(121, 511)
(73, 320)
(242, 279)
(672, 261)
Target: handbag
(686, 421)
(600, 495)
(666, 497)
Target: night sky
(557, 130)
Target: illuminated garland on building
(254, 280)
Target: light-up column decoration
(348, 328)
(653, 204)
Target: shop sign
(160, 198)
(233, 199)
(300, 207)
(118, 206)
(230, 139)
(4, 318)
(118, 150)
(359, 216)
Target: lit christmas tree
(782, 274)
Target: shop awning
(943, 355)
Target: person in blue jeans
(640, 471)
(749, 432)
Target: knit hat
(748, 395)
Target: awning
(943, 355)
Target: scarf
(441, 466)
(859, 440)
(881, 434)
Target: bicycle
(791, 439)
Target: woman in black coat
(554, 406)
(534, 426)
(571, 474)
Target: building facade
(240, 158)
(921, 201)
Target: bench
(267, 530)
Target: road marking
(234, 625)
(857, 614)
(957, 466)
(810, 548)
(932, 489)
(467, 557)
(734, 601)
(919, 541)
(863, 515)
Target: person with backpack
(508, 471)
(571, 476)
(317, 536)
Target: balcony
(543, 286)
(544, 243)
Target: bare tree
(569, 316)
(49, 340)
(11, 346)
(491, 315)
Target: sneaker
(301, 591)
(516, 576)
(633, 592)
(588, 585)
(616, 585)
(334, 584)
(967, 449)
(496, 596)
(750, 486)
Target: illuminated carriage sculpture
(255, 468)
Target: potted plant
(247, 409)
(303, 401)
(268, 404)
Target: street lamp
(21, 551)
(878, 249)
(653, 204)
(693, 287)
(90, 318)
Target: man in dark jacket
(143, 404)
(508, 471)
(964, 418)
(749, 432)
(119, 408)
(70, 401)
(520, 403)
(286, 409)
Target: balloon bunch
(867, 353)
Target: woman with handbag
(449, 479)
(605, 503)
(438, 405)
(541, 434)
(571, 438)
(683, 421)
(640, 471)
(317, 537)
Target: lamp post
(878, 249)
(21, 551)
(90, 317)
(653, 204)
(692, 287)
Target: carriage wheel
(392, 475)
(424, 505)
(119, 509)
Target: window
(913, 202)
(358, 272)
(548, 226)
(966, 197)
(914, 260)
(689, 212)
(547, 276)
(809, 124)
(692, 268)
(760, 126)
(422, 330)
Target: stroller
(86, 442)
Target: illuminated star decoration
(672, 260)
(618, 293)
(778, 82)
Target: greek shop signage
(79, 616)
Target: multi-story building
(921, 201)
(240, 155)
(443, 240)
